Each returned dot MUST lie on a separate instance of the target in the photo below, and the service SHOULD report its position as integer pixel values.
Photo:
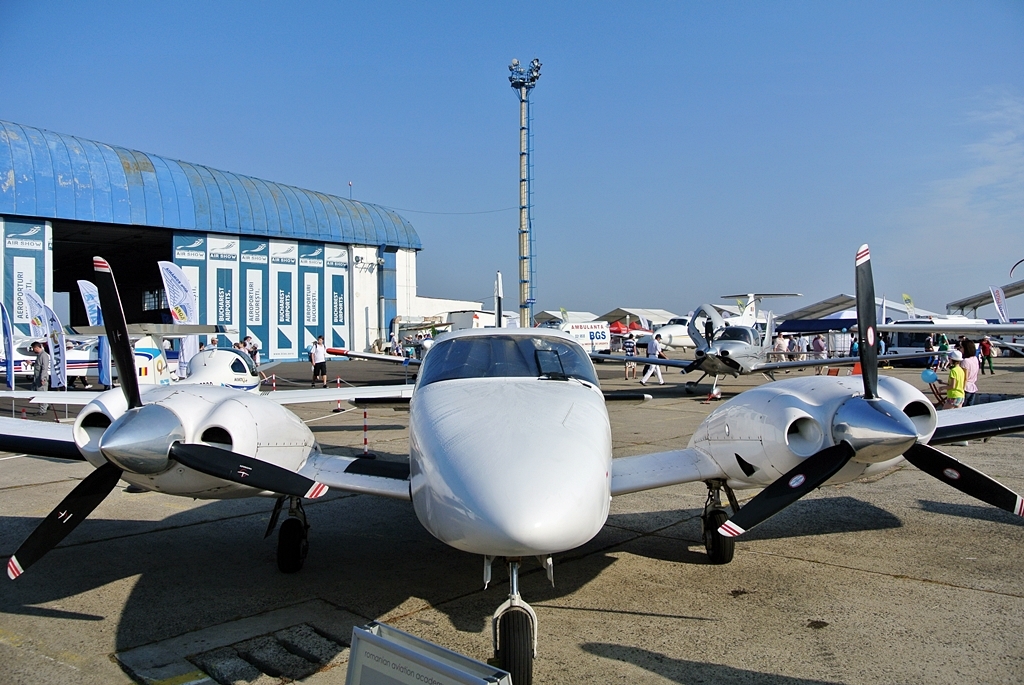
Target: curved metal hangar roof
(46, 174)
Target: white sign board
(382, 655)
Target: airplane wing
(405, 361)
(834, 361)
(47, 439)
(686, 364)
(364, 476)
(72, 397)
(979, 421)
(345, 394)
(659, 469)
(943, 327)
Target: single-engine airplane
(510, 452)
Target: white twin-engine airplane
(510, 451)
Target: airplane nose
(491, 482)
(140, 439)
(876, 429)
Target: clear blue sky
(682, 150)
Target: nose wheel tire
(515, 631)
(719, 548)
(292, 545)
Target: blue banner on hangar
(335, 271)
(284, 323)
(255, 275)
(311, 274)
(190, 255)
(27, 261)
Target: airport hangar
(273, 261)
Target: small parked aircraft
(510, 452)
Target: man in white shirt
(318, 358)
(653, 351)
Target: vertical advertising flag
(254, 261)
(36, 312)
(999, 300)
(335, 272)
(311, 273)
(8, 346)
(284, 324)
(181, 300)
(91, 300)
(54, 333)
(911, 314)
(58, 351)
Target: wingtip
(14, 568)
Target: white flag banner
(999, 300)
(36, 312)
(58, 351)
(50, 329)
(181, 300)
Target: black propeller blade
(964, 478)
(807, 476)
(117, 332)
(72, 510)
(238, 468)
(866, 323)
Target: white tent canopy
(657, 317)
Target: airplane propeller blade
(867, 324)
(239, 468)
(964, 478)
(808, 475)
(117, 332)
(72, 510)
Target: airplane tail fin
(749, 313)
(769, 331)
(151, 363)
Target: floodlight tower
(523, 80)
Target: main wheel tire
(689, 387)
(292, 545)
(719, 547)
(515, 637)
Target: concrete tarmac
(898, 579)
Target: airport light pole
(523, 80)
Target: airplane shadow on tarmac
(970, 511)
(684, 671)
(369, 556)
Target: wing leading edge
(661, 469)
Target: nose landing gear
(514, 627)
(720, 548)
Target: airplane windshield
(740, 333)
(501, 356)
(243, 364)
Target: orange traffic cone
(856, 369)
(23, 414)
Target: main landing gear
(514, 625)
(293, 538)
(719, 548)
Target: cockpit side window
(739, 333)
(501, 356)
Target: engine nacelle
(766, 431)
